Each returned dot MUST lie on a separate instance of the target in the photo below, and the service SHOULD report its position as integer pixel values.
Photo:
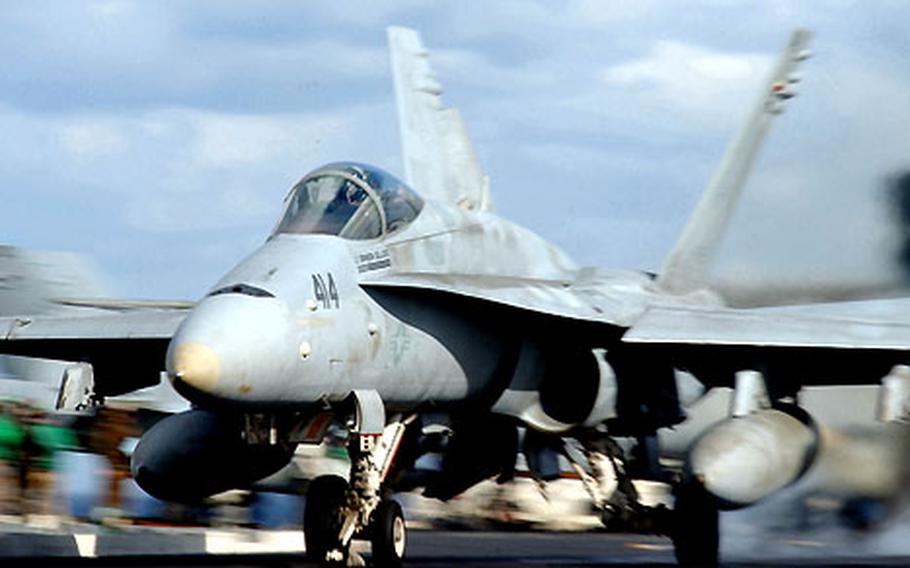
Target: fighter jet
(410, 317)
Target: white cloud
(108, 9)
(691, 79)
(227, 169)
(27, 141)
(471, 68)
(234, 205)
(600, 13)
(227, 140)
(178, 169)
(87, 139)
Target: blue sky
(160, 137)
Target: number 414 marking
(325, 292)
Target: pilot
(347, 200)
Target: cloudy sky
(161, 137)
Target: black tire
(320, 519)
(696, 533)
(388, 535)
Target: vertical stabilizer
(439, 159)
(686, 268)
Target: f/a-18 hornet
(411, 318)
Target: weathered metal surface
(729, 327)
(439, 158)
(144, 324)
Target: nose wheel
(388, 534)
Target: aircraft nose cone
(194, 363)
(233, 347)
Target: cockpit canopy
(350, 200)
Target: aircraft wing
(31, 280)
(591, 298)
(115, 304)
(126, 350)
(439, 159)
(802, 346)
(814, 348)
(71, 320)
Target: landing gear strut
(619, 505)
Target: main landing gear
(612, 492)
(338, 512)
(692, 524)
(695, 532)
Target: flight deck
(92, 545)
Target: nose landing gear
(338, 511)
